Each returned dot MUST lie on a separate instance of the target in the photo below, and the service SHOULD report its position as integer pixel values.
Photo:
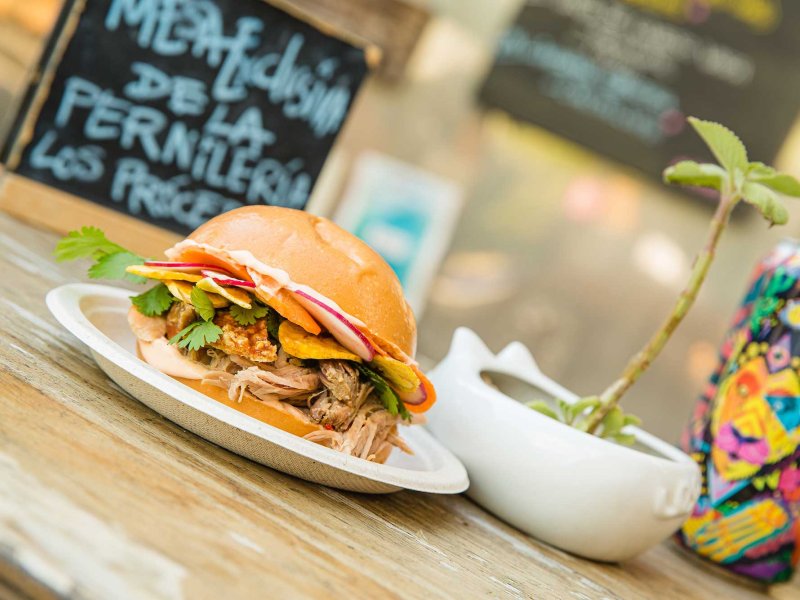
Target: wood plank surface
(101, 497)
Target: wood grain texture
(100, 484)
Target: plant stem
(641, 361)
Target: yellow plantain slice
(183, 292)
(399, 375)
(162, 274)
(297, 342)
(234, 295)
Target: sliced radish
(187, 267)
(338, 325)
(415, 397)
(225, 279)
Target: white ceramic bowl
(575, 491)
(96, 314)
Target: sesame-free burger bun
(320, 254)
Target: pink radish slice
(225, 279)
(339, 327)
(186, 267)
(417, 396)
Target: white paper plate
(96, 314)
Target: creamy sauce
(251, 263)
(169, 360)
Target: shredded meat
(179, 317)
(249, 341)
(328, 392)
(343, 394)
(281, 380)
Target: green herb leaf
(632, 420)
(197, 335)
(155, 301)
(248, 316)
(385, 393)
(112, 266)
(273, 323)
(723, 143)
(613, 422)
(543, 407)
(89, 242)
(202, 304)
(759, 169)
(625, 439)
(766, 201)
(688, 172)
(781, 183)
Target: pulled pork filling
(330, 393)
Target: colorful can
(745, 432)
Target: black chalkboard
(620, 76)
(173, 112)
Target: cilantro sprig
(88, 242)
(155, 301)
(110, 259)
(248, 316)
(200, 333)
(202, 304)
(386, 394)
(197, 335)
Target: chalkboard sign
(173, 112)
(620, 76)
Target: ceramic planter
(578, 492)
(745, 432)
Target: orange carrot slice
(290, 309)
(429, 389)
(201, 256)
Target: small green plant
(736, 179)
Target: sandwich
(288, 318)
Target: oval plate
(96, 314)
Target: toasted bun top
(317, 253)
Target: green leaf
(631, 420)
(248, 316)
(155, 301)
(613, 422)
(89, 242)
(197, 335)
(723, 143)
(688, 172)
(544, 408)
(565, 408)
(781, 183)
(273, 323)
(626, 439)
(759, 169)
(589, 402)
(202, 304)
(386, 394)
(112, 266)
(766, 201)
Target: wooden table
(102, 498)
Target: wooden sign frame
(62, 211)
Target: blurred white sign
(406, 214)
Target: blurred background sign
(174, 114)
(619, 76)
(406, 214)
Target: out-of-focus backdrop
(577, 256)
